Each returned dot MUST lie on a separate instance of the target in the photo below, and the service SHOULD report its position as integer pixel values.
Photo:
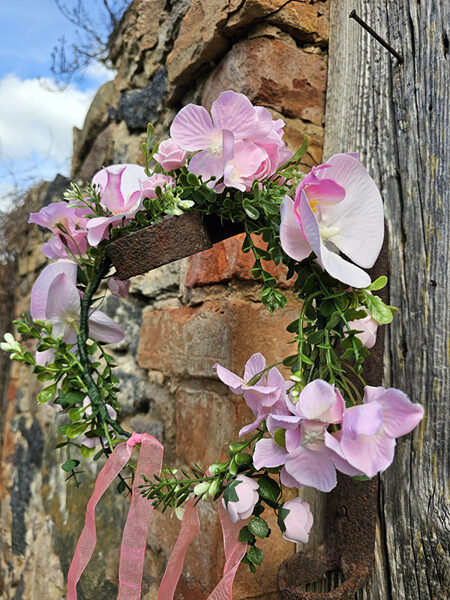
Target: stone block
(164, 280)
(226, 261)
(140, 107)
(304, 21)
(189, 340)
(204, 424)
(275, 74)
(200, 39)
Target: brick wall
(179, 319)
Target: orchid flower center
(216, 144)
(312, 435)
(328, 232)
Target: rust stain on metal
(173, 238)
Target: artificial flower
(295, 520)
(120, 193)
(367, 328)
(157, 180)
(240, 497)
(262, 392)
(170, 156)
(233, 118)
(324, 220)
(119, 287)
(367, 438)
(67, 223)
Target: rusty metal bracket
(350, 516)
(172, 238)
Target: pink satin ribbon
(134, 539)
(138, 520)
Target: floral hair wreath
(235, 165)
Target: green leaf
(70, 465)
(47, 394)
(251, 211)
(257, 526)
(247, 244)
(361, 478)
(76, 429)
(74, 397)
(298, 155)
(87, 452)
(192, 180)
(282, 514)
(255, 555)
(290, 360)
(293, 327)
(230, 494)
(268, 488)
(45, 376)
(378, 309)
(75, 414)
(245, 535)
(378, 284)
(280, 437)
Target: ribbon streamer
(134, 539)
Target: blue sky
(35, 122)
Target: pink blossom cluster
(314, 436)
(234, 146)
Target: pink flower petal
(230, 379)
(332, 442)
(104, 329)
(365, 419)
(207, 165)
(334, 264)
(400, 415)
(98, 228)
(255, 365)
(312, 468)
(291, 237)
(236, 113)
(252, 426)
(360, 216)
(268, 454)
(191, 128)
(287, 480)
(284, 421)
(317, 401)
(326, 192)
(42, 284)
(63, 298)
(371, 454)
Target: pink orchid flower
(73, 220)
(306, 459)
(170, 156)
(56, 298)
(367, 438)
(233, 118)
(264, 396)
(337, 207)
(120, 193)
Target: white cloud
(36, 123)
(98, 73)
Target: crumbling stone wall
(179, 319)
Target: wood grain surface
(397, 118)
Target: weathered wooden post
(397, 117)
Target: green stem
(82, 337)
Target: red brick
(226, 261)
(189, 340)
(275, 74)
